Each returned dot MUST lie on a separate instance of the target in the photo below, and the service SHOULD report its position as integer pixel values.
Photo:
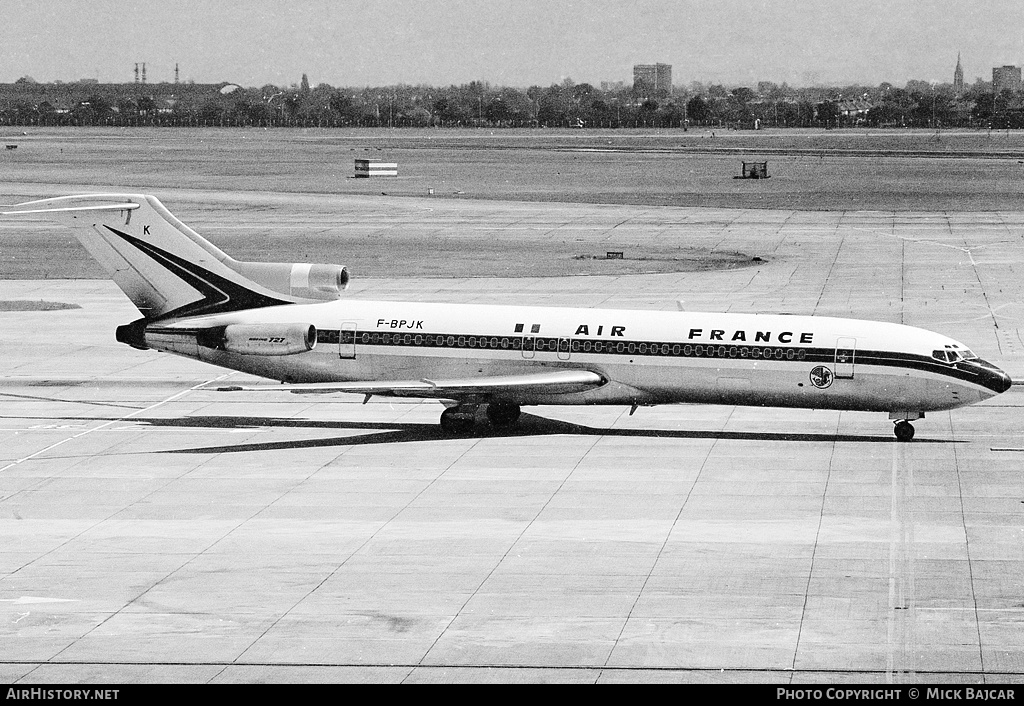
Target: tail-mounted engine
(325, 282)
(260, 339)
(245, 339)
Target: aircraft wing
(552, 382)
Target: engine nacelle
(297, 279)
(260, 339)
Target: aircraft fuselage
(645, 357)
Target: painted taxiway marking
(115, 421)
(138, 426)
(54, 426)
(25, 600)
(901, 626)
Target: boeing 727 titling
(291, 322)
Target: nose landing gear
(904, 430)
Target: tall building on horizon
(958, 77)
(652, 78)
(1006, 78)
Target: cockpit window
(953, 354)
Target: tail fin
(165, 267)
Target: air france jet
(291, 322)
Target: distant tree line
(478, 104)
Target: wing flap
(552, 382)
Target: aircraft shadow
(529, 425)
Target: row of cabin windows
(565, 345)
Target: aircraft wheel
(503, 414)
(456, 421)
(904, 431)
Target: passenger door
(529, 346)
(564, 349)
(347, 340)
(846, 352)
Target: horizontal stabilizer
(554, 382)
(72, 209)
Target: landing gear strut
(461, 419)
(503, 414)
(458, 420)
(904, 430)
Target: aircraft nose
(994, 378)
(1005, 383)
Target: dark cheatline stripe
(671, 349)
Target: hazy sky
(508, 42)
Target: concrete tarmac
(153, 530)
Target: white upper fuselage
(646, 357)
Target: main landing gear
(461, 419)
(904, 430)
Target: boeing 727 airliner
(291, 322)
